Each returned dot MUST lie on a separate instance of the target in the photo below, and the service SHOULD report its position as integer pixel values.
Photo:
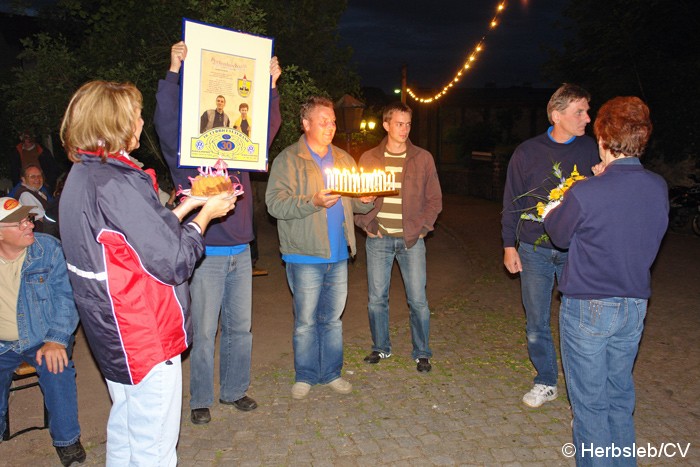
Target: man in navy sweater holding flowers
(530, 178)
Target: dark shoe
(245, 403)
(72, 453)
(375, 356)
(200, 416)
(423, 365)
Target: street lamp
(367, 125)
(348, 116)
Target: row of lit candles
(360, 182)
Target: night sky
(433, 38)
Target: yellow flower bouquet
(553, 199)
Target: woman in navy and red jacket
(129, 259)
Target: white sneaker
(540, 394)
(340, 386)
(300, 390)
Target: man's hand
(511, 260)
(371, 235)
(275, 71)
(324, 199)
(368, 199)
(56, 356)
(178, 53)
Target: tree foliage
(130, 41)
(294, 89)
(628, 47)
(306, 35)
(39, 98)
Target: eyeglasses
(22, 225)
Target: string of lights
(471, 58)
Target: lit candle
(329, 178)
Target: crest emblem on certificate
(244, 86)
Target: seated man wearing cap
(37, 321)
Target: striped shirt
(389, 216)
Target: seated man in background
(33, 193)
(37, 321)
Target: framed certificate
(225, 102)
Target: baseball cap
(12, 211)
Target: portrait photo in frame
(225, 104)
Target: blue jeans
(221, 285)
(60, 393)
(319, 293)
(381, 253)
(599, 343)
(144, 422)
(540, 267)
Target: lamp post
(348, 116)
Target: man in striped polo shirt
(395, 230)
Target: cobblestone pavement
(467, 411)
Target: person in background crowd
(29, 152)
(32, 193)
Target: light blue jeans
(60, 393)
(319, 294)
(599, 343)
(540, 267)
(221, 285)
(144, 422)
(381, 253)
